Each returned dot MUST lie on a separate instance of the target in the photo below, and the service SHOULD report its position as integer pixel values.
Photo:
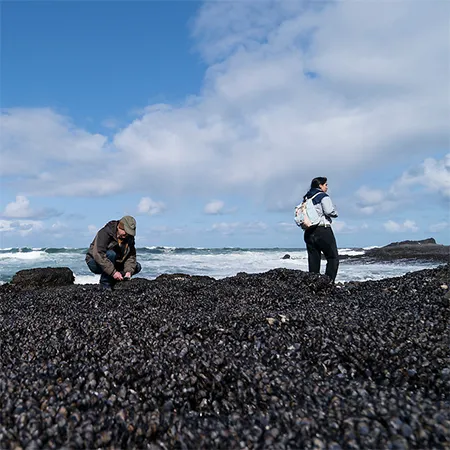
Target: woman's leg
(330, 251)
(314, 255)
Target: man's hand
(128, 275)
(118, 276)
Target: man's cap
(129, 225)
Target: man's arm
(100, 247)
(130, 262)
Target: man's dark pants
(105, 279)
(321, 240)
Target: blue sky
(208, 120)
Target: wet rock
(404, 243)
(43, 277)
(286, 256)
(181, 277)
(426, 249)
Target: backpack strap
(315, 195)
(310, 198)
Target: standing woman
(320, 238)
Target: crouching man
(112, 254)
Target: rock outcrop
(428, 241)
(43, 277)
(426, 250)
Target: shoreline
(421, 253)
(381, 271)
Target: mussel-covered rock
(43, 277)
(283, 359)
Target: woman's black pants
(321, 240)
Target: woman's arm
(328, 207)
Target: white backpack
(306, 214)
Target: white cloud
(438, 227)
(165, 230)
(228, 228)
(342, 227)
(6, 225)
(58, 230)
(261, 123)
(92, 230)
(289, 227)
(371, 196)
(36, 140)
(21, 209)
(214, 207)
(370, 201)
(395, 227)
(222, 28)
(21, 227)
(150, 207)
(432, 174)
(110, 123)
(37, 228)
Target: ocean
(214, 262)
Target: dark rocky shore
(424, 250)
(275, 360)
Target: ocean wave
(147, 249)
(28, 255)
(16, 250)
(351, 251)
(52, 250)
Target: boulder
(286, 256)
(43, 277)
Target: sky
(207, 121)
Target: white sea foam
(87, 279)
(225, 264)
(35, 254)
(159, 247)
(350, 252)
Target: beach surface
(276, 360)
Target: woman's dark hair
(318, 181)
(315, 183)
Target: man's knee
(138, 268)
(111, 255)
(94, 267)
